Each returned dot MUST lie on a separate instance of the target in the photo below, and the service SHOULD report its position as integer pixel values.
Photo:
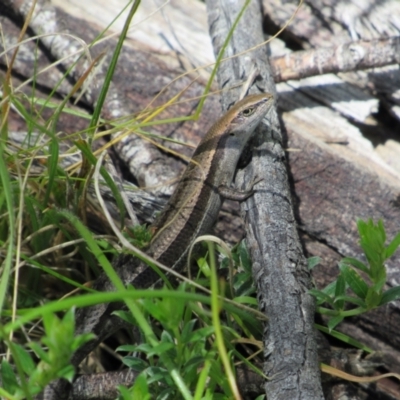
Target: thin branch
(351, 56)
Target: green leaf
(326, 311)
(219, 376)
(372, 241)
(361, 225)
(157, 374)
(246, 300)
(68, 373)
(380, 280)
(381, 232)
(126, 316)
(127, 347)
(80, 340)
(243, 284)
(169, 311)
(173, 311)
(244, 256)
(139, 390)
(321, 296)
(371, 234)
(392, 247)
(373, 299)
(334, 321)
(203, 266)
(166, 337)
(187, 331)
(51, 324)
(356, 264)
(8, 378)
(351, 299)
(41, 354)
(340, 290)
(166, 394)
(161, 348)
(125, 393)
(313, 261)
(194, 361)
(69, 319)
(344, 338)
(201, 334)
(390, 295)
(355, 281)
(330, 289)
(144, 347)
(135, 363)
(25, 359)
(374, 258)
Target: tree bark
(279, 266)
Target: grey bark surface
(101, 386)
(279, 265)
(351, 56)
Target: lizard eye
(248, 111)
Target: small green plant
(139, 235)
(185, 346)
(188, 333)
(360, 286)
(140, 390)
(185, 335)
(31, 379)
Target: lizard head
(247, 113)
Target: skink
(191, 211)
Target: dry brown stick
(346, 57)
(279, 266)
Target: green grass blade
(219, 59)
(112, 66)
(52, 166)
(215, 309)
(8, 195)
(389, 295)
(82, 146)
(344, 338)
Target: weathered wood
(289, 340)
(345, 57)
(101, 386)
